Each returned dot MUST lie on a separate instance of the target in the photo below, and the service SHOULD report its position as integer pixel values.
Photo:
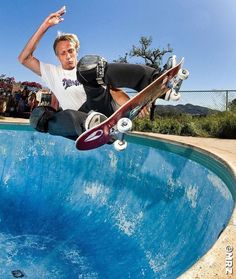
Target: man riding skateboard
(87, 90)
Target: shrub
(226, 126)
(189, 129)
(221, 125)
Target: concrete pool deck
(213, 263)
(13, 120)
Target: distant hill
(183, 109)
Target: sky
(202, 31)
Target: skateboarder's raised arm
(26, 56)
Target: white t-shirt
(64, 85)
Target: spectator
(32, 101)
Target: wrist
(44, 26)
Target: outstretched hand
(26, 56)
(144, 112)
(55, 18)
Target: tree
(32, 84)
(6, 83)
(122, 59)
(152, 56)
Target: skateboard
(114, 128)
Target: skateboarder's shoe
(93, 119)
(171, 62)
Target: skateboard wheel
(175, 96)
(124, 125)
(172, 95)
(120, 145)
(183, 74)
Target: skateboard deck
(107, 130)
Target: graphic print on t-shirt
(68, 83)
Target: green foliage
(232, 105)
(220, 125)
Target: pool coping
(213, 263)
(13, 120)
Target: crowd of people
(18, 104)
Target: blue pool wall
(106, 214)
(206, 159)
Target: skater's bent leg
(132, 76)
(99, 99)
(91, 73)
(67, 123)
(40, 116)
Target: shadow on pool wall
(142, 213)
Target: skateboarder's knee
(40, 116)
(91, 70)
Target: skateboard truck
(123, 126)
(175, 84)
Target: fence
(213, 99)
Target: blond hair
(66, 37)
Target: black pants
(70, 123)
(131, 76)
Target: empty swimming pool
(148, 212)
